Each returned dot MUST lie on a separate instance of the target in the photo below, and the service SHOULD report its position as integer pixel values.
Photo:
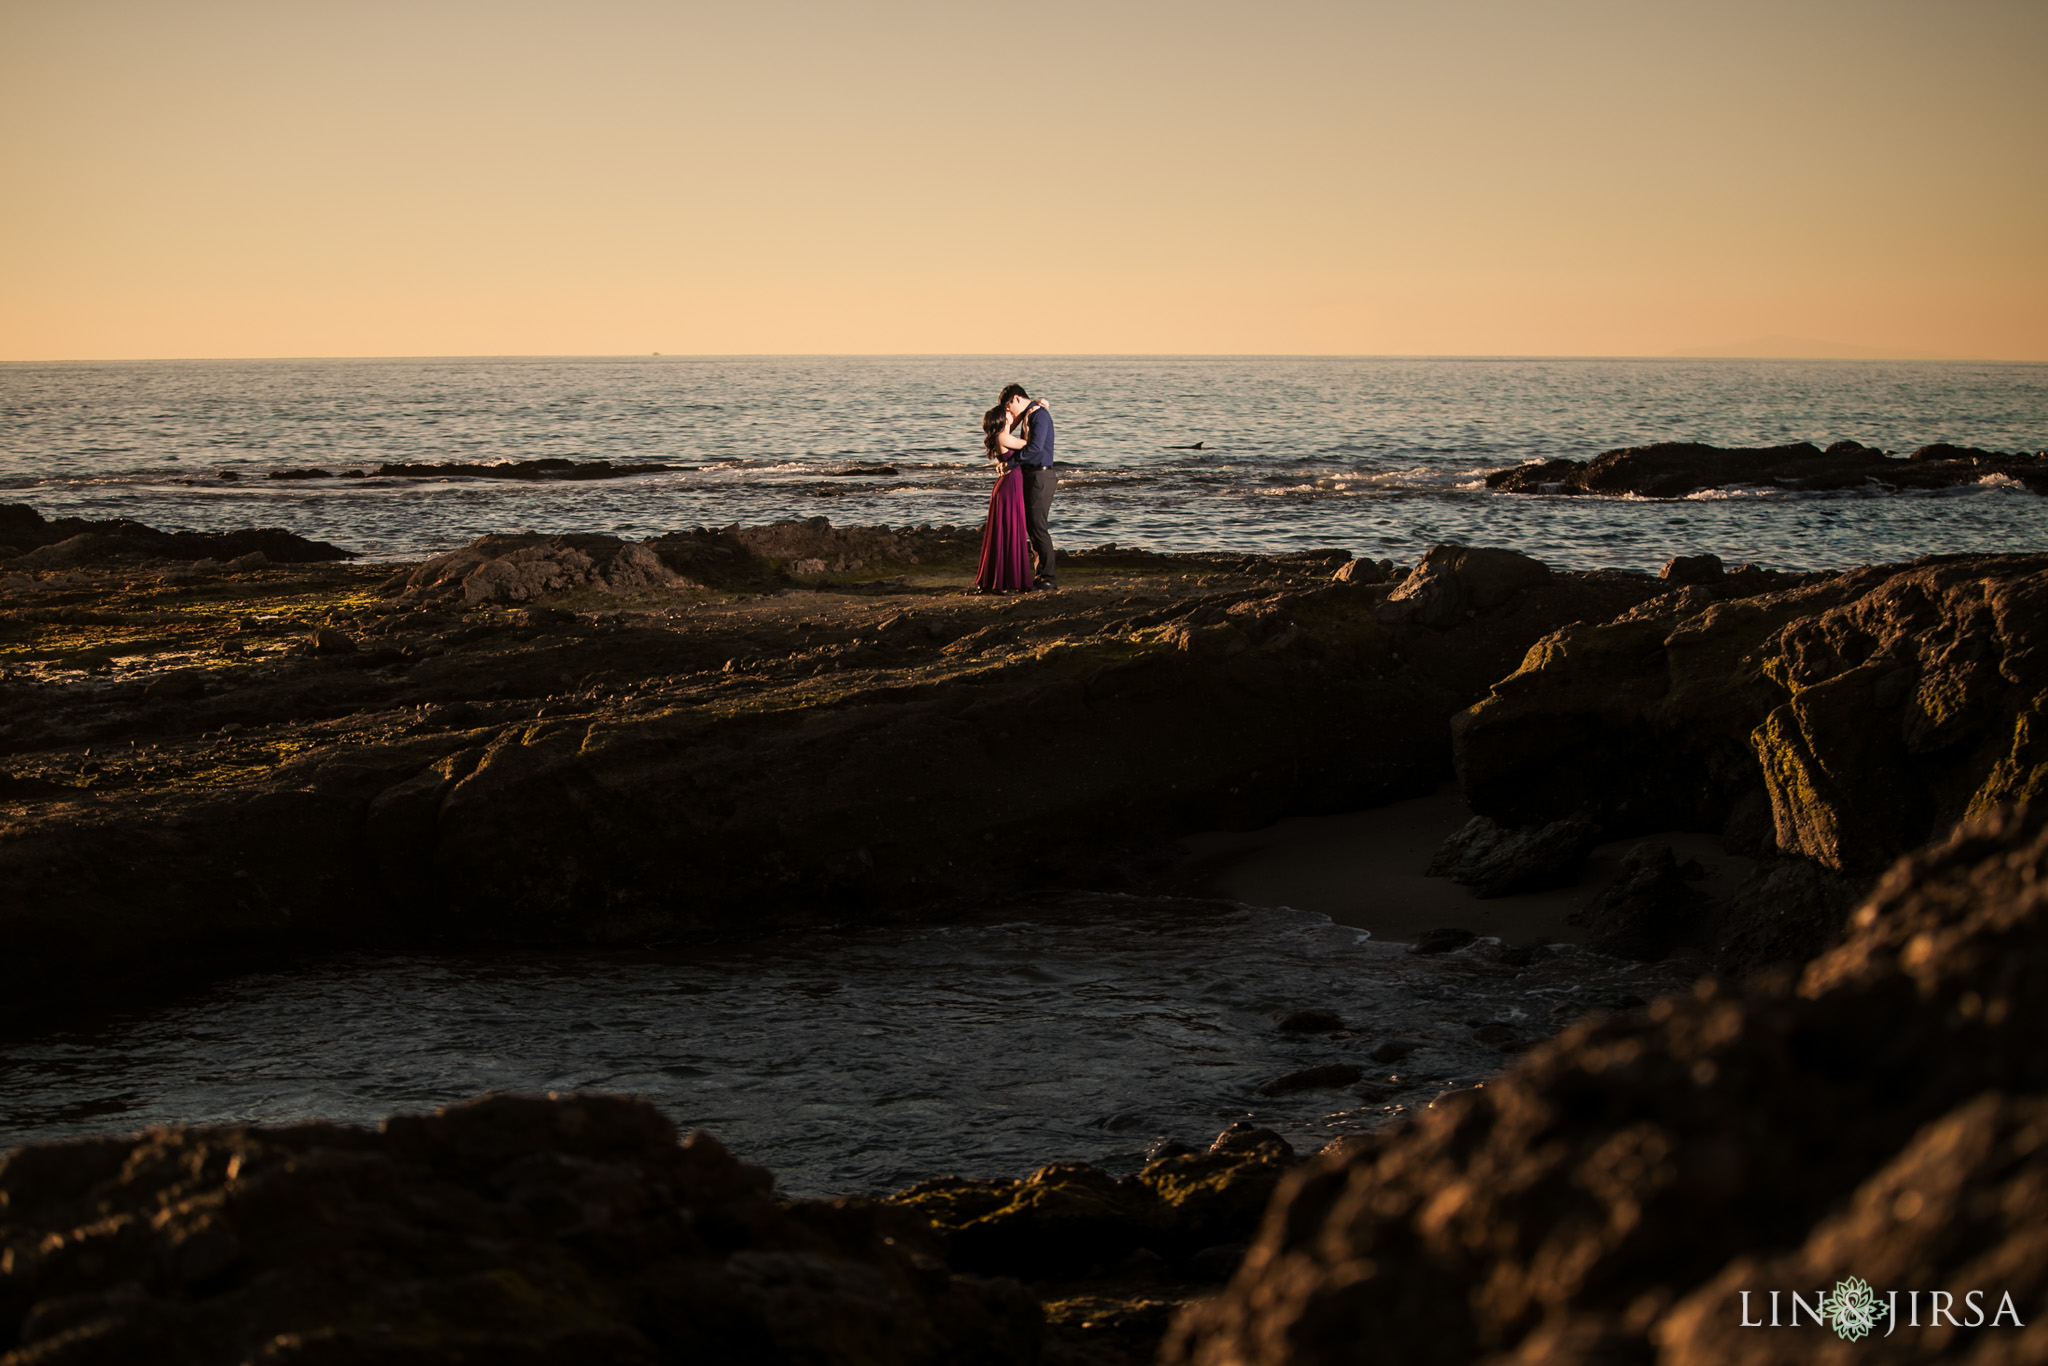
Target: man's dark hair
(1011, 391)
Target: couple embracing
(1016, 542)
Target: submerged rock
(1307, 1021)
(572, 1230)
(1597, 1203)
(1329, 1076)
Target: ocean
(1065, 1029)
(1381, 457)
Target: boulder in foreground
(573, 1230)
(1608, 1199)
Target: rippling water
(1087, 1028)
(1378, 456)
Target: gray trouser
(1038, 487)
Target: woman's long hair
(991, 427)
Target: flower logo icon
(1852, 1308)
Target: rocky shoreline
(554, 740)
(574, 740)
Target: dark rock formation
(1649, 909)
(1364, 571)
(1455, 582)
(509, 570)
(1495, 861)
(1672, 469)
(505, 570)
(729, 764)
(1308, 1021)
(27, 541)
(1865, 712)
(1442, 939)
(1604, 1200)
(510, 1229)
(1681, 570)
(1329, 1076)
(1068, 1220)
(552, 468)
(1962, 1212)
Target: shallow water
(1083, 1027)
(1380, 457)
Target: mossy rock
(1211, 1198)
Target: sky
(1449, 177)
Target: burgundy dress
(1005, 545)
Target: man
(1039, 481)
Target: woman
(1005, 546)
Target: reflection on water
(1081, 1027)
(1380, 456)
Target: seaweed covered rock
(1865, 712)
(1068, 1220)
(1594, 1204)
(509, 1229)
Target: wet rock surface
(623, 758)
(1608, 1198)
(508, 1229)
(1672, 469)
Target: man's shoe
(1045, 585)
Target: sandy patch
(1365, 868)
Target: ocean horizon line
(1475, 356)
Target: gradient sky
(1431, 177)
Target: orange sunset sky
(610, 177)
